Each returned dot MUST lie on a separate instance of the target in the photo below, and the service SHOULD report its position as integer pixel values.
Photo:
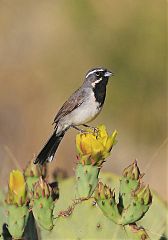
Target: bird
(82, 107)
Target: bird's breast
(86, 112)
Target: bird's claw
(83, 131)
(95, 129)
(80, 130)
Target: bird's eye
(98, 74)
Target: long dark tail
(48, 151)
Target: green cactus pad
(134, 199)
(88, 222)
(130, 181)
(42, 204)
(43, 212)
(134, 212)
(31, 181)
(105, 199)
(86, 180)
(127, 186)
(16, 220)
(85, 221)
(155, 220)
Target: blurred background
(46, 47)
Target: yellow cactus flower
(17, 188)
(92, 147)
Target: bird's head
(97, 75)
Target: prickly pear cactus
(42, 204)
(85, 220)
(84, 207)
(134, 198)
(87, 179)
(16, 204)
(17, 218)
(92, 149)
(32, 174)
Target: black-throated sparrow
(81, 107)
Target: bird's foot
(95, 130)
(79, 129)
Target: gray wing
(75, 100)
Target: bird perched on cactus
(80, 108)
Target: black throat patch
(100, 91)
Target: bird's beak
(108, 74)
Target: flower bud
(132, 171)
(144, 195)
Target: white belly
(85, 113)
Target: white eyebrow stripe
(95, 70)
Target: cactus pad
(86, 180)
(17, 219)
